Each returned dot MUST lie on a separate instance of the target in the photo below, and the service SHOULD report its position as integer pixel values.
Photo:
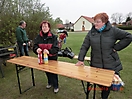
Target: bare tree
(129, 15)
(117, 17)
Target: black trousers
(105, 91)
(52, 79)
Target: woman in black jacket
(47, 42)
(104, 40)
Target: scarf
(102, 28)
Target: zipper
(101, 49)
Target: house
(67, 26)
(60, 26)
(84, 23)
(129, 22)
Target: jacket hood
(41, 34)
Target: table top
(85, 73)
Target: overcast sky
(72, 9)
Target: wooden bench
(86, 73)
(86, 58)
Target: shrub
(124, 27)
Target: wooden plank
(86, 58)
(85, 73)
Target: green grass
(69, 88)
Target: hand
(79, 63)
(46, 51)
(39, 50)
(24, 43)
(29, 43)
(114, 50)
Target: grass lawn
(69, 88)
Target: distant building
(129, 22)
(84, 23)
(60, 26)
(67, 26)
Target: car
(60, 31)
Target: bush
(124, 27)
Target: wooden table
(86, 73)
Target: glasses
(97, 21)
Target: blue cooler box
(116, 87)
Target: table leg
(33, 81)
(89, 87)
(18, 79)
(1, 70)
(94, 91)
(88, 90)
(18, 69)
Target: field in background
(69, 88)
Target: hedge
(125, 27)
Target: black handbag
(60, 53)
(67, 52)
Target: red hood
(41, 34)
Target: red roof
(60, 26)
(89, 19)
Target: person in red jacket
(62, 37)
(47, 42)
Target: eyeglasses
(97, 21)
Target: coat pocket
(115, 56)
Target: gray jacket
(102, 45)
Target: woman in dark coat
(47, 42)
(104, 40)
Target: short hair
(21, 22)
(103, 16)
(44, 22)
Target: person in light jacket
(105, 41)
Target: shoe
(56, 90)
(48, 86)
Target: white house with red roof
(84, 23)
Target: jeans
(23, 49)
(65, 40)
